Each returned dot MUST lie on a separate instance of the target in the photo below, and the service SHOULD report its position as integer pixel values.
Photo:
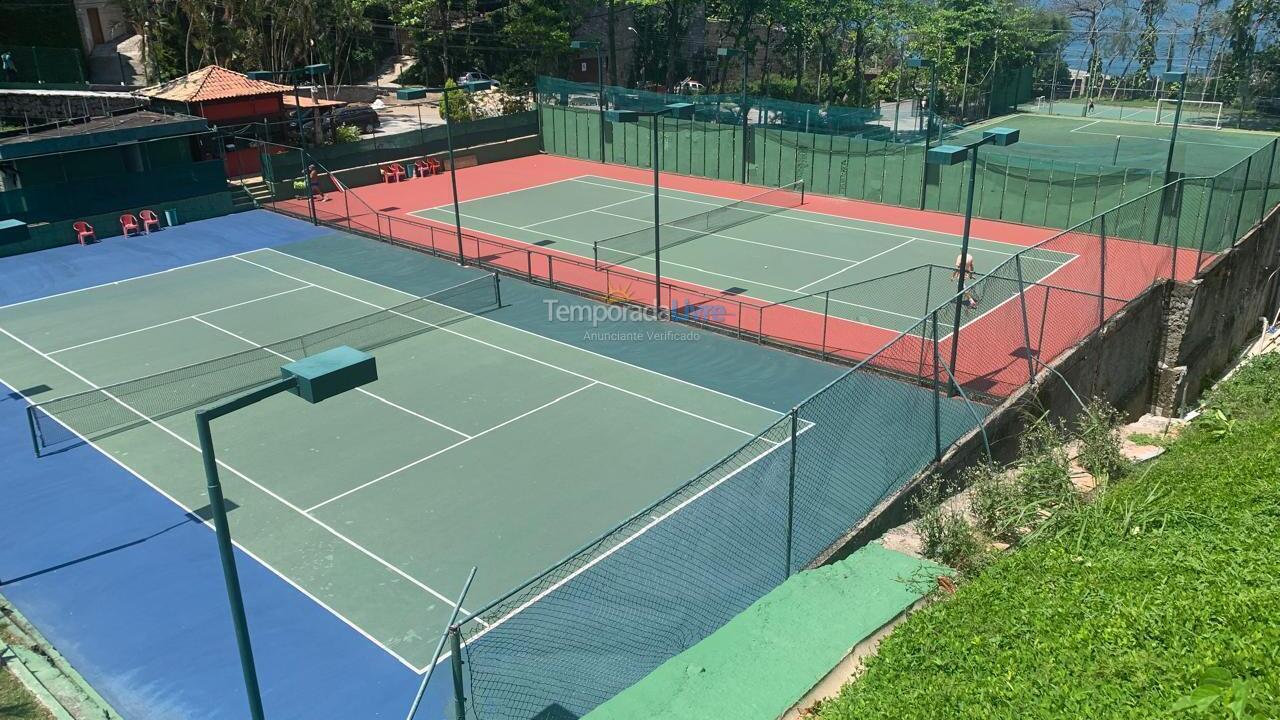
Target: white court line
(561, 343)
(521, 355)
(584, 212)
(209, 524)
(233, 471)
(363, 391)
(856, 264)
(627, 541)
(117, 282)
(449, 205)
(181, 319)
(726, 237)
(1089, 124)
(799, 214)
(696, 269)
(443, 450)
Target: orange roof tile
(212, 83)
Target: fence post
(1266, 187)
(1026, 328)
(1204, 234)
(791, 488)
(1235, 235)
(1102, 270)
(455, 661)
(826, 317)
(937, 394)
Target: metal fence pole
(1266, 187)
(1026, 328)
(1102, 270)
(791, 489)
(1235, 235)
(1204, 234)
(455, 661)
(937, 394)
(826, 317)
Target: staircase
(118, 62)
(249, 193)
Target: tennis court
(480, 444)
(767, 247)
(1134, 142)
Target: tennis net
(623, 248)
(115, 408)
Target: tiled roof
(212, 83)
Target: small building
(103, 167)
(229, 99)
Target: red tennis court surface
(993, 359)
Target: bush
(947, 536)
(995, 502)
(459, 103)
(1044, 475)
(346, 134)
(1098, 430)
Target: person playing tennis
(964, 271)
(313, 176)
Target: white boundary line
(649, 371)
(209, 524)
(363, 391)
(118, 282)
(451, 447)
(235, 472)
(196, 316)
(797, 213)
(584, 212)
(694, 268)
(449, 205)
(627, 541)
(526, 357)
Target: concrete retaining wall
(1113, 364)
(1211, 318)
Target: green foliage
(1221, 695)
(995, 501)
(346, 134)
(947, 536)
(1044, 476)
(455, 103)
(1098, 431)
(1116, 613)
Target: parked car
(477, 76)
(689, 86)
(360, 116)
(588, 102)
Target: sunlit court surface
(819, 274)
(480, 443)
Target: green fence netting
(44, 65)
(399, 146)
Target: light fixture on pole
(916, 61)
(945, 155)
(1180, 79)
(679, 110)
(579, 45)
(313, 379)
(730, 52)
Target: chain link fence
(600, 620)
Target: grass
(16, 703)
(1156, 599)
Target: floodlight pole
(222, 528)
(919, 62)
(453, 175)
(746, 58)
(657, 224)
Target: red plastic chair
(128, 223)
(388, 175)
(435, 166)
(84, 231)
(149, 220)
(424, 167)
(398, 170)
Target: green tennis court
(479, 444)
(1137, 142)
(768, 248)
